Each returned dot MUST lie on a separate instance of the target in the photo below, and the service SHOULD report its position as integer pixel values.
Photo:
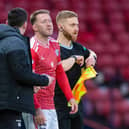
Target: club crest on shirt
(57, 52)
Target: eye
(44, 21)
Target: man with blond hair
(74, 56)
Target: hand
(79, 60)
(36, 89)
(91, 60)
(50, 78)
(74, 106)
(39, 117)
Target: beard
(69, 36)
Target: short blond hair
(64, 14)
(35, 13)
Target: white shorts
(51, 120)
(28, 121)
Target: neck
(63, 40)
(43, 39)
(22, 31)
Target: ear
(60, 27)
(34, 27)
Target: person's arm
(39, 116)
(18, 64)
(20, 70)
(69, 62)
(63, 82)
(65, 87)
(91, 60)
(36, 103)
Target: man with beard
(46, 59)
(74, 56)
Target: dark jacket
(16, 77)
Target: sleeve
(19, 67)
(86, 52)
(36, 103)
(63, 80)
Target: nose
(48, 23)
(76, 28)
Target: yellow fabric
(79, 89)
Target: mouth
(75, 34)
(49, 29)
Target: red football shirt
(46, 60)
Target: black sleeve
(21, 70)
(86, 52)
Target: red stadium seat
(125, 72)
(104, 37)
(109, 72)
(122, 38)
(38, 5)
(94, 16)
(94, 5)
(112, 48)
(105, 60)
(117, 28)
(20, 3)
(102, 102)
(100, 28)
(126, 113)
(90, 84)
(110, 6)
(116, 17)
(115, 119)
(97, 47)
(121, 60)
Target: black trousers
(10, 119)
(67, 121)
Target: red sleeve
(36, 103)
(34, 60)
(63, 82)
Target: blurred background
(104, 28)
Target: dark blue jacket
(16, 77)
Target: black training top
(73, 74)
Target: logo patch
(57, 52)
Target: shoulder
(33, 45)
(55, 46)
(14, 43)
(79, 46)
(54, 43)
(32, 42)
